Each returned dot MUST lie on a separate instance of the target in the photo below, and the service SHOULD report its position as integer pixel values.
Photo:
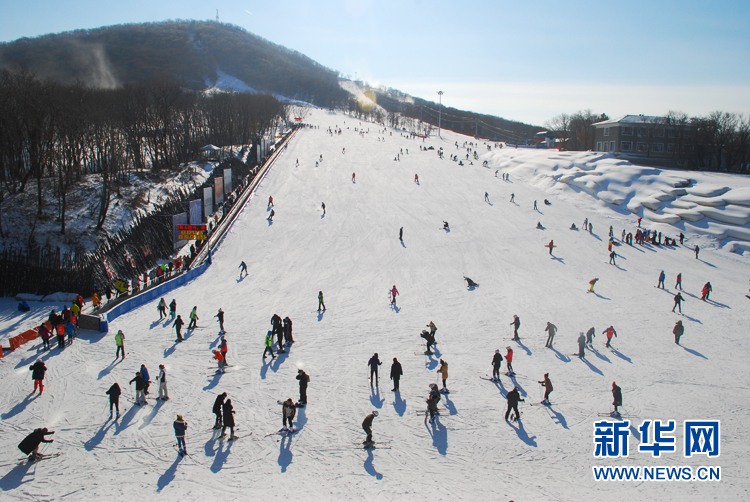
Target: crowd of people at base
(61, 325)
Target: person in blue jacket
(662, 276)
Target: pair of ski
(39, 456)
(610, 415)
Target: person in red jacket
(509, 361)
(610, 333)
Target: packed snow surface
(353, 255)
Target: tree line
(60, 133)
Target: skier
(610, 332)
(678, 299)
(172, 309)
(30, 444)
(243, 268)
(401, 234)
(512, 197)
(706, 291)
(592, 283)
(180, 427)
(591, 228)
(37, 374)
(193, 318)
(661, 280)
(220, 317)
(114, 399)
(470, 283)
(678, 330)
(228, 417)
(269, 345)
(432, 401)
(140, 387)
(429, 339)
(271, 215)
(277, 330)
(416, 179)
(443, 370)
(396, 372)
(446, 226)
(367, 426)
(509, 361)
(218, 404)
(178, 323)
(516, 323)
(223, 349)
(547, 384)
(497, 361)
(550, 246)
(394, 293)
(270, 202)
(551, 328)
(146, 378)
(535, 209)
(162, 379)
(288, 410)
(44, 334)
(513, 398)
(162, 307)
(540, 226)
(590, 334)
(373, 363)
(220, 361)
(617, 396)
(573, 226)
(682, 238)
(697, 249)
(60, 330)
(486, 197)
(678, 284)
(433, 329)
(304, 379)
(582, 345)
(612, 257)
(287, 329)
(120, 342)
(320, 301)
(354, 175)
(323, 205)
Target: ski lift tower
(440, 111)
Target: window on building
(657, 147)
(672, 133)
(606, 131)
(641, 147)
(626, 146)
(670, 147)
(605, 146)
(642, 132)
(611, 146)
(659, 133)
(626, 131)
(598, 146)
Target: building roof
(208, 148)
(632, 119)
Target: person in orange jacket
(610, 332)
(509, 361)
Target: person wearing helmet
(120, 341)
(432, 401)
(367, 426)
(497, 361)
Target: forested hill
(190, 51)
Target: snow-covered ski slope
(354, 256)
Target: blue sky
(526, 61)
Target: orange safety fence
(24, 337)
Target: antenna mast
(217, 15)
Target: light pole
(440, 111)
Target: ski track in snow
(354, 256)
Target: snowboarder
(304, 379)
(443, 370)
(367, 426)
(193, 318)
(269, 345)
(218, 404)
(610, 332)
(612, 257)
(373, 363)
(30, 444)
(38, 369)
(551, 245)
(323, 205)
(486, 197)
(243, 268)
(396, 372)
(539, 225)
(220, 317)
(706, 291)
(432, 401)
(271, 215)
(178, 323)
(429, 339)
(172, 309)
(552, 329)
(140, 388)
(401, 234)
(416, 179)
(697, 250)
(180, 427)
(288, 410)
(592, 283)
(590, 334)
(162, 379)
(321, 303)
(678, 299)
(573, 226)
(394, 293)
(662, 276)
(509, 360)
(678, 284)
(114, 399)
(516, 323)
(512, 197)
(497, 361)
(228, 417)
(470, 283)
(617, 399)
(120, 342)
(678, 330)
(547, 384)
(287, 329)
(513, 398)
(446, 226)
(582, 345)
(162, 307)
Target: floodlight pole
(440, 112)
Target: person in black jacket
(678, 330)
(303, 379)
(429, 338)
(513, 398)
(228, 412)
(140, 388)
(373, 363)
(497, 361)
(31, 443)
(396, 372)
(617, 402)
(178, 324)
(114, 399)
(37, 374)
(217, 408)
(180, 427)
(278, 331)
(288, 331)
